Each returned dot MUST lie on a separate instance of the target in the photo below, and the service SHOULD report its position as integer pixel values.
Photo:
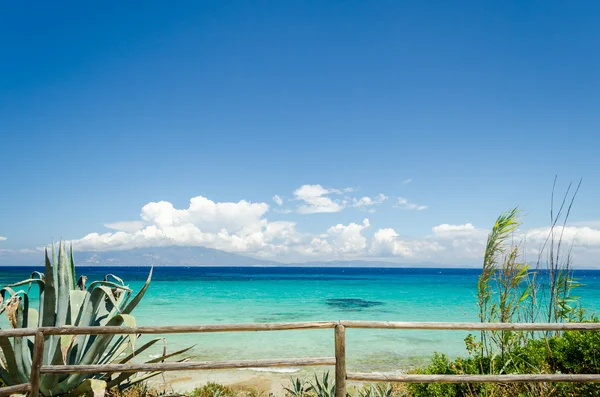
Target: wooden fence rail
(339, 361)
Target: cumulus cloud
(2, 238)
(577, 236)
(243, 227)
(364, 202)
(406, 205)
(464, 240)
(406, 181)
(316, 199)
(348, 239)
(230, 226)
(278, 200)
(386, 242)
(125, 226)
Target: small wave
(280, 370)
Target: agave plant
(65, 302)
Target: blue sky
(106, 109)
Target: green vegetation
(65, 302)
(510, 290)
(212, 389)
(321, 387)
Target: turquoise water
(203, 295)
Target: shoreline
(265, 381)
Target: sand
(263, 382)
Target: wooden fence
(338, 360)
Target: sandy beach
(246, 379)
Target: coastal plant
(380, 390)
(511, 290)
(322, 387)
(297, 388)
(212, 389)
(66, 301)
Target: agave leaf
(139, 350)
(76, 300)
(94, 351)
(120, 302)
(108, 284)
(118, 279)
(16, 376)
(136, 300)
(101, 342)
(3, 292)
(40, 275)
(63, 286)
(32, 317)
(22, 352)
(126, 375)
(118, 347)
(89, 388)
(66, 341)
(92, 305)
(136, 380)
(72, 276)
(5, 376)
(49, 381)
(48, 303)
(29, 281)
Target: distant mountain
(159, 256)
(187, 256)
(168, 256)
(365, 263)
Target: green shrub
(212, 389)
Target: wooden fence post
(36, 364)
(340, 361)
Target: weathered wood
(36, 364)
(181, 329)
(185, 366)
(186, 329)
(340, 361)
(367, 377)
(16, 332)
(16, 389)
(472, 326)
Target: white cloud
(406, 205)
(2, 238)
(464, 240)
(229, 226)
(578, 236)
(125, 226)
(386, 242)
(348, 238)
(368, 201)
(452, 231)
(316, 200)
(278, 200)
(243, 227)
(407, 181)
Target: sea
(222, 295)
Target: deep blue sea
(203, 295)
